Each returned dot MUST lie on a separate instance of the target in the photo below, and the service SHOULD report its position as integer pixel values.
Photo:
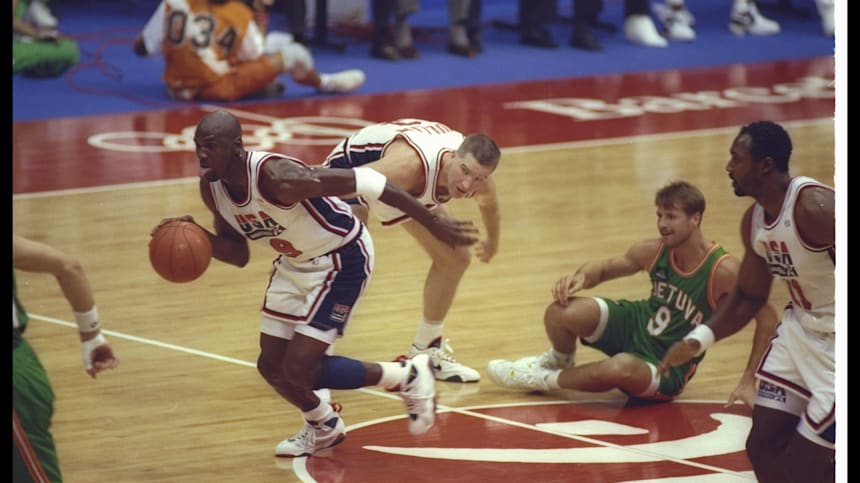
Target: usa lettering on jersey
(258, 225)
(779, 259)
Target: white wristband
(88, 321)
(369, 182)
(703, 335)
(87, 348)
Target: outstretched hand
(454, 232)
(680, 352)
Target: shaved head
(221, 124)
(218, 144)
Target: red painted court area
(551, 442)
(94, 151)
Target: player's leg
(448, 264)
(783, 447)
(623, 371)
(34, 454)
(298, 62)
(309, 306)
(244, 80)
(794, 422)
(582, 317)
(771, 431)
(604, 324)
(563, 326)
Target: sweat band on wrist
(88, 321)
(369, 182)
(703, 335)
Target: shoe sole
(340, 439)
(419, 431)
(457, 379)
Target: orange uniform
(212, 50)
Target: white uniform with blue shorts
(798, 370)
(429, 139)
(325, 256)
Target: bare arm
(816, 216)
(591, 274)
(32, 256)
(766, 321)
(488, 203)
(289, 182)
(228, 245)
(750, 294)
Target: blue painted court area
(110, 79)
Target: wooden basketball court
(581, 161)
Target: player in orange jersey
(215, 51)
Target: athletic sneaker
(677, 22)
(640, 30)
(314, 437)
(343, 81)
(445, 367)
(419, 394)
(825, 10)
(749, 21)
(514, 375)
(40, 15)
(544, 360)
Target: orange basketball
(180, 251)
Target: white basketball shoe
(418, 391)
(445, 367)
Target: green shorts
(626, 331)
(33, 403)
(43, 58)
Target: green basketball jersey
(679, 301)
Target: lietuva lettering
(673, 296)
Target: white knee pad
(297, 59)
(275, 41)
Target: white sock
(740, 5)
(562, 359)
(319, 413)
(392, 374)
(325, 82)
(552, 380)
(428, 331)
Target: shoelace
(444, 352)
(303, 435)
(529, 378)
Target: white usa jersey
(429, 139)
(807, 270)
(301, 231)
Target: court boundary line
(465, 411)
